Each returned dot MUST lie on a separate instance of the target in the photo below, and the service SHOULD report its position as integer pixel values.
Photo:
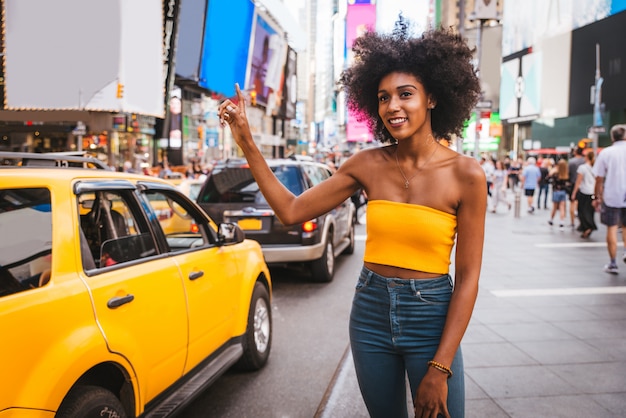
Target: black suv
(230, 194)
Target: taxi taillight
(309, 226)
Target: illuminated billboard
(267, 60)
(360, 17)
(226, 45)
(84, 55)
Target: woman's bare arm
(290, 209)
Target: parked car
(103, 311)
(230, 194)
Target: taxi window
(183, 226)
(25, 259)
(112, 231)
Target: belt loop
(451, 281)
(368, 277)
(413, 286)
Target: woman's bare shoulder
(370, 156)
(468, 167)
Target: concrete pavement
(548, 334)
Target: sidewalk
(548, 334)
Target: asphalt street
(548, 334)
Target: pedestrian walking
(544, 185)
(610, 192)
(572, 166)
(530, 181)
(499, 179)
(583, 193)
(408, 315)
(487, 165)
(559, 179)
(515, 169)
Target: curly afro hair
(439, 59)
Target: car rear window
(236, 185)
(25, 258)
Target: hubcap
(330, 257)
(261, 326)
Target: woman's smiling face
(403, 104)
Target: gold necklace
(406, 180)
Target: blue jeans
(395, 329)
(559, 196)
(543, 190)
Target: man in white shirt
(610, 191)
(487, 164)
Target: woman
(583, 193)
(499, 177)
(559, 178)
(515, 169)
(406, 316)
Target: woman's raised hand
(234, 114)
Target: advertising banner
(595, 57)
(100, 55)
(226, 45)
(190, 32)
(524, 27)
(267, 58)
(360, 17)
(289, 87)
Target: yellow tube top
(409, 236)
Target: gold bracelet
(440, 367)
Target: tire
(90, 402)
(350, 248)
(323, 268)
(257, 341)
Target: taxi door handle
(119, 301)
(196, 275)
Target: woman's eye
(405, 94)
(382, 98)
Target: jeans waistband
(374, 279)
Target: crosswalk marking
(566, 291)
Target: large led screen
(189, 45)
(226, 45)
(101, 55)
(605, 38)
(360, 17)
(288, 92)
(529, 21)
(267, 59)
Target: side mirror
(230, 233)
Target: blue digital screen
(226, 45)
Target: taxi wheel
(257, 341)
(323, 268)
(89, 402)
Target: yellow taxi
(103, 312)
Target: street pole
(484, 11)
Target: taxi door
(137, 293)
(210, 272)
